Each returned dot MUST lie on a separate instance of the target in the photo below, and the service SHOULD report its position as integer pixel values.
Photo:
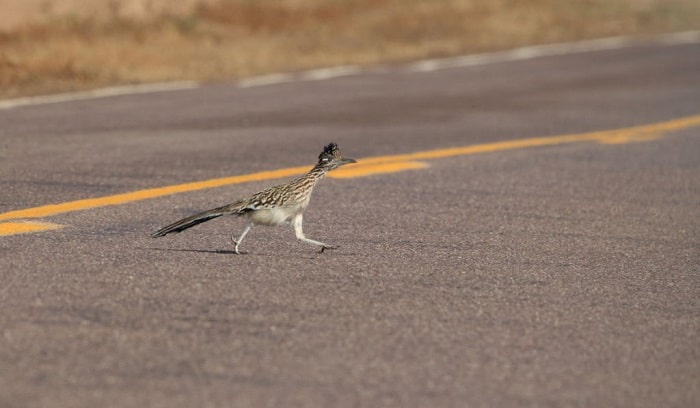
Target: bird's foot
(235, 246)
(237, 252)
(324, 247)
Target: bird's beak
(347, 161)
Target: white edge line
(545, 50)
(328, 73)
(516, 54)
(263, 80)
(310, 75)
(99, 93)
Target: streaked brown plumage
(273, 206)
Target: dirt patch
(52, 46)
(18, 14)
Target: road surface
(519, 233)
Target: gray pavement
(555, 276)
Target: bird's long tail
(191, 221)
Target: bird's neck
(310, 179)
(317, 172)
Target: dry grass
(230, 39)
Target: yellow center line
(367, 166)
(53, 209)
(12, 228)
(363, 168)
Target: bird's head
(332, 158)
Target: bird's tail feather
(190, 221)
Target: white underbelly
(274, 216)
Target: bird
(281, 204)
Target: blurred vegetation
(231, 39)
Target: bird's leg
(299, 232)
(238, 241)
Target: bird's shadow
(230, 252)
(202, 251)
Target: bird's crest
(331, 151)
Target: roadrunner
(273, 206)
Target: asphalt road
(559, 275)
